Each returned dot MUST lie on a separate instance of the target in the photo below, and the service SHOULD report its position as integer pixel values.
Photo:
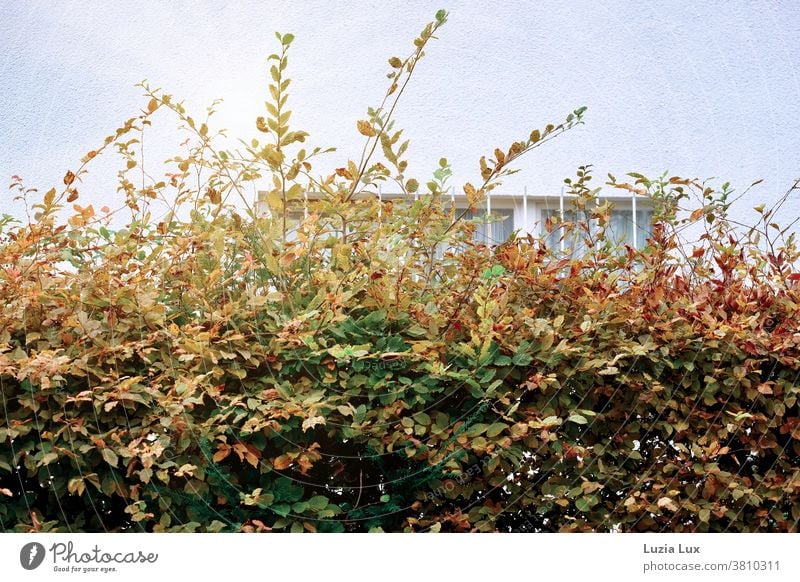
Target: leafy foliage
(369, 367)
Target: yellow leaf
(76, 486)
(275, 201)
(365, 128)
(472, 195)
(312, 422)
(152, 105)
(295, 192)
(667, 503)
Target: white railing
(526, 199)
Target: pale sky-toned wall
(700, 89)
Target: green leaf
(521, 359)
(495, 429)
(422, 418)
(110, 457)
(577, 419)
(477, 429)
(586, 502)
(318, 502)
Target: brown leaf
(287, 259)
(344, 173)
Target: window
(619, 229)
(575, 240)
(502, 224)
(620, 226)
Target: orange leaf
(282, 462)
(221, 453)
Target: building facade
(630, 221)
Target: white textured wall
(700, 89)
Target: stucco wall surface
(705, 89)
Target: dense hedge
(374, 369)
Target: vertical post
(633, 215)
(488, 219)
(453, 196)
(380, 203)
(305, 204)
(525, 210)
(561, 213)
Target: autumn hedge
(372, 368)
